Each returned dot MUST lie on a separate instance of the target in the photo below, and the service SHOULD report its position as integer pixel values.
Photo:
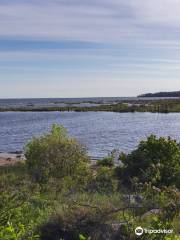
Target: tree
(54, 155)
(155, 160)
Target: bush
(54, 155)
(155, 160)
(103, 181)
(91, 221)
(20, 214)
(106, 162)
(9, 232)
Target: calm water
(99, 131)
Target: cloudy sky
(87, 48)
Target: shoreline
(11, 158)
(7, 159)
(153, 106)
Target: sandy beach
(10, 158)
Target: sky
(88, 48)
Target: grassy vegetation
(162, 106)
(48, 197)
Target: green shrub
(155, 160)
(103, 181)
(86, 220)
(106, 162)
(10, 232)
(55, 155)
(83, 201)
(20, 214)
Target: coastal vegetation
(159, 106)
(155, 160)
(58, 193)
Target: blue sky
(80, 48)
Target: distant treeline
(161, 94)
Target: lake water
(101, 132)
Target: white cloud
(57, 21)
(101, 20)
(162, 12)
(143, 37)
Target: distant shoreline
(9, 159)
(175, 94)
(124, 106)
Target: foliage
(9, 232)
(84, 202)
(106, 162)
(20, 215)
(140, 105)
(55, 155)
(82, 237)
(103, 181)
(87, 218)
(155, 160)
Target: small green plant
(10, 232)
(82, 237)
